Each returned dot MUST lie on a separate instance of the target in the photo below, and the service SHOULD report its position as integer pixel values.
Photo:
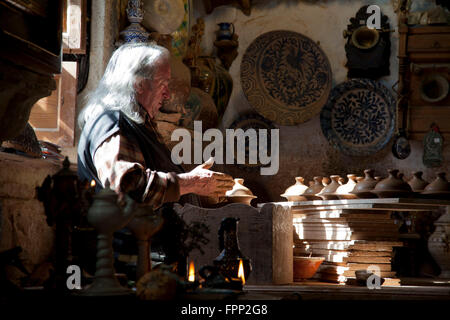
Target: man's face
(151, 93)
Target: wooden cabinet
(424, 78)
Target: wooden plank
(367, 259)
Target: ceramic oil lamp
(392, 186)
(363, 187)
(296, 191)
(343, 192)
(313, 190)
(328, 192)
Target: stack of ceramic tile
(348, 239)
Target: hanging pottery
(432, 148)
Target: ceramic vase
(215, 80)
(296, 191)
(439, 244)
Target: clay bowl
(306, 267)
(363, 275)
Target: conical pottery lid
(297, 189)
(349, 186)
(416, 182)
(439, 185)
(393, 183)
(239, 190)
(367, 183)
(316, 187)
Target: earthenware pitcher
(226, 31)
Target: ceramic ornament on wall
(432, 147)
(367, 50)
(163, 16)
(359, 118)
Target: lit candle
(93, 183)
(241, 272)
(191, 277)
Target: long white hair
(116, 91)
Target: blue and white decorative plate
(286, 77)
(359, 117)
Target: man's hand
(205, 182)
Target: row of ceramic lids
(393, 186)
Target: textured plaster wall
(304, 151)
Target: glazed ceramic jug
(226, 31)
(417, 183)
(343, 192)
(312, 191)
(239, 193)
(296, 191)
(328, 192)
(363, 187)
(393, 186)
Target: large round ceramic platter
(257, 122)
(163, 16)
(359, 118)
(286, 77)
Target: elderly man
(119, 142)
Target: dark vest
(96, 131)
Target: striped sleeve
(122, 163)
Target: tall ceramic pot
(439, 244)
(214, 79)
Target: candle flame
(93, 183)
(191, 277)
(241, 271)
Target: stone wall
(304, 151)
(22, 217)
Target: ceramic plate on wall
(286, 77)
(359, 118)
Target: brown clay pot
(343, 192)
(439, 188)
(363, 187)
(328, 192)
(306, 267)
(417, 183)
(393, 186)
(296, 191)
(312, 191)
